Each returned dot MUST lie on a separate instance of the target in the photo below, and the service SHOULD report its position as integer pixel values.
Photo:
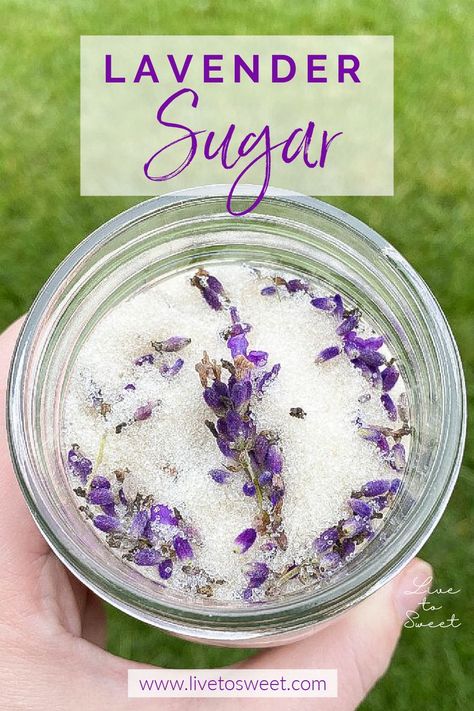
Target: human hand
(52, 628)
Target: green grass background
(429, 220)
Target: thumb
(359, 645)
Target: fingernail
(412, 586)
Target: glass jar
(304, 236)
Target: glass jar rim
(293, 612)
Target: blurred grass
(429, 220)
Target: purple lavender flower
(100, 482)
(146, 557)
(147, 358)
(370, 373)
(329, 561)
(143, 412)
(389, 377)
(249, 489)
(182, 548)
(214, 284)
(165, 568)
(389, 406)
(79, 465)
(163, 514)
(347, 547)
(241, 393)
(100, 497)
(220, 476)
(245, 539)
(274, 459)
(268, 290)
(353, 526)
(171, 345)
(122, 498)
(372, 358)
(130, 386)
(373, 343)
(398, 457)
(349, 323)
(226, 449)
(106, 523)
(327, 354)
(379, 503)
(395, 485)
(257, 574)
(234, 425)
(339, 308)
(169, 371)
(261, 449)
(326, 539)
(238, 345)
(258, 358)
(360, 508)
(376, 487)
(268, 378)
(138, 524)
(323, 303)
(212, 298)
(294, 285)
(265, 478)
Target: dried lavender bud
(268, 290)
(360, 508)
(374, 343)
(326, 539)
(379, 503)
(143, 412)
(323, 303)
(241, 393)
(274, 459)
(100, 482)
(370, 433)
(106, 523)
(257, 574)
(146, 557)
(165, 568)
(268, 378)
(220, 476)
(171, 345)
(212, 299)
(265, 478)
(122, 498)
(258, 358)
(138, 524)
(297, 412)
(214, 284)
(294, 285)
(372, 358)
(389, 377)
(369, 372)
(163, 514)
(130, 386)
(349, 323)
(182, 548)
(327, 354)
(147, 358)
(226, 449)
(79, 465)
(169, 371)
(245, 540)
(347, 547)
(353, 526)
(389, 406)
(261, 449)
(100, 497)
(329, 561)
(398, 457)
(249, 489)
(238, 345)
(395, 485)
(376, 487)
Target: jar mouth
(309, 234)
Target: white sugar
(170, 454)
